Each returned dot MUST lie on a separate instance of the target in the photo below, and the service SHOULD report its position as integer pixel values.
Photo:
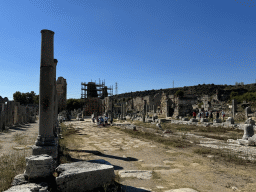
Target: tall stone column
(234, 108)
(144, 111)
(167, 109)
(122, 111)
(45, 143)
(55, 98)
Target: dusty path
(172, 168)
(19, 138)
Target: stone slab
(29, 187)
(155, 166)
(140, 174)
(168, 172)
(182, 190)
(19, 180)
(82, 176)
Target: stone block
(185, 119)
(204, 120)
(252, 140)
(217, 121)
(83, 176)
(29, 187)
(140, 174)
(250, 121)
(248, 131)
(230, 120)
(39, 166)
(132, 127)
(243, 142)
(19, 180)
(193, 120)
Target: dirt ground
(172, 168)
(18, 138)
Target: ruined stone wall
(61, 87)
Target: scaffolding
(92, 89)
(92, 93)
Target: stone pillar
(167, 109)
(121, 116)
(45, 143)
(144, 111)
(234, 107)
(124, 111)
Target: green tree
(74, 104)
(179, 93)
(233, 94)
(26, 98)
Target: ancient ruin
(79, 176)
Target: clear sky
(140, 44)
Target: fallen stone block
(19, 180)
(193, 120)
(185, 119)
(29, 187)
(83, 176)
(167, 172)
(204, 120)
(140, 174)
(252, 140)
(132, 127)
(230, 120)
(243, 142)
(248, 131)
(217, 121)
(250, 121)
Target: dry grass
(10, 166)
(220, 133)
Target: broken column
(234, 107)
(144, 111)
(45, 143)
(167, 109)
(120, 115)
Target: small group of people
(102, 121)
(206, 114)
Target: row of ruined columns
(12, 113)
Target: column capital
(47, 31)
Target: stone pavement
(144, 165)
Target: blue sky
(140, 44)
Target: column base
(49, 150)
(45, 141)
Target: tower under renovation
(93, 93)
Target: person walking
(194, 114)
(206, 114)
(223, 115)
(111, 120)
(217, 115)
(211, 115)
(106, 120)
